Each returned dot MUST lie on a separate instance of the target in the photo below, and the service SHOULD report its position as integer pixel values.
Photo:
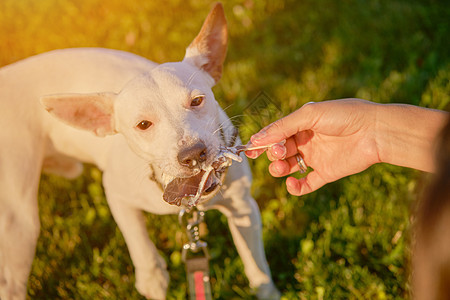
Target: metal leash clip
(194, 244)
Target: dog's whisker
(227, 107)
(230, 120)
(235, 117)
(212, 120)
(191, 78)
(222, 127)
(236, 121)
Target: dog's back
(75, 70)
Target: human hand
(335, 138)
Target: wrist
(382, 133)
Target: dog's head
(169, 115)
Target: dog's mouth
(190, 190)
(181, 189)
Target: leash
(195, 252)
(195, 255)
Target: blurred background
(349, 240)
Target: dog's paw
(268, 291)
(152, 284)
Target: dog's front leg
(152, 278)
(245, 226)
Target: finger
(276, 152)
(280, 168)
(285, 127)
(305, 185)
(254, 153)
(278, 149)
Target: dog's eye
(196, 101)
(143, 125)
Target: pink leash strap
(195, 255)
(197, 270)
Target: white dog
(165, 113)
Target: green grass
(349, 240)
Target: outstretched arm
(343, 137)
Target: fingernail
(258, 136)
(279, 151)
(250, 154)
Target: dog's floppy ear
(208, 50)
(92, 112)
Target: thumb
(305, 185)
(283, 128)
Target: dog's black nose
(191, 156)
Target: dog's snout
(191, 156)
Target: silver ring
(301, 163)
